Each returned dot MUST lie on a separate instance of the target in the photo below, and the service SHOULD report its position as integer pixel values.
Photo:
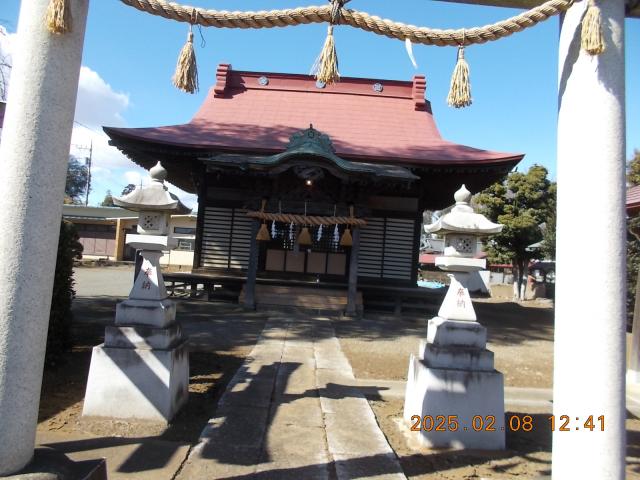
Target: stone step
(312, 298)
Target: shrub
(59, 334)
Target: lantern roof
(462, 218)
(153, 197)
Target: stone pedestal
(137, 383)
(453, 377)
(142, 369)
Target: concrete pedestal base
(475, 398)
(156, 313)
(454, 385)
(137, 383)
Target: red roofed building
(310, 149)
(633, 200)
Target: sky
(130, 56)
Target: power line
(84, 126)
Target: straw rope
(354, 18)
(307, 219)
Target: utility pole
(86, 200)
(87, 163)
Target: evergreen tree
(108, 200)
(521, 203)
(77, 180)
(633, 169)
(128, 189)
(633, 244)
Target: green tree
(633, 169)
(633, 264)
(77, 180)
(108, 200)
(549, 237)
(633, 243)
(128, 189)
(60, 317)
(521, 203)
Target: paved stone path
(292, 412)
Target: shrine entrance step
(317, 299)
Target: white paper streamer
(319, 234)
(409, 46)
(336, 236)
(273, 229)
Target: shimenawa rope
(354, 18)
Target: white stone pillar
(589, 351)
(34, 153)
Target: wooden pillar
(119, 251)
(252, 272)
(202, 205)
(352, 293)
(415, 255)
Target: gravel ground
(378, 348)
(520, 335)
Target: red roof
(245, 113)
(633, 199)
(428, 258)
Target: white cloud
(99, 104)
(133, 177)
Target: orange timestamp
(515, 423)
(562, 423)
(451, 423)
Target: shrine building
(333, 179)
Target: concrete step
(303, 297)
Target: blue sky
(129, 58)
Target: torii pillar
(590, 318)
(34, 154)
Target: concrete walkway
(292, 412)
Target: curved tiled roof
(245, 113)
(633, 199)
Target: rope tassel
(326, 66)
(186, 76)
(263, 233)
(59, 16)
(592, 40)
(347, 239)
(460, 90)
(305, 237)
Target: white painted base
(459, 358)
(139, 336)
(154, 313)
(460, 264)
(137, 383)
(453, 333)
(464, 394)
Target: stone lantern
(453, 376)
(142, 369)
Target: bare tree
(5, 69)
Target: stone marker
(454, 396)
(142, 369)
